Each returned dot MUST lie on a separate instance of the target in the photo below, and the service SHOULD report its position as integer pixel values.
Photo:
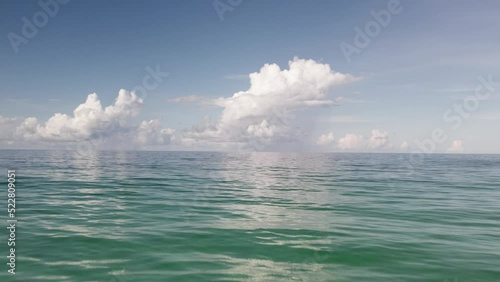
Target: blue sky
(427, 59)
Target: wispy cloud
(191, 99)
(19, 101)
(344, 100)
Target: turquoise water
(187, 216)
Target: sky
(231, 75)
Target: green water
(185, 216)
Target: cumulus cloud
(91, 121)
(27, 129)
(152, 133)
(326, 139)
(378, 140)
(261, 116)
(264, 111)
(87, 118)
(351, 142)
(343, 119)
(264, 129)
(456, 147)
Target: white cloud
(87, 119)
(259, 117)
(191, 99)
(264, 129)
(107, 127)
(456, 147)
(264, 111)
(326, 139)
(27, 129)
(379, 140)
(151, 133)
(352, 142)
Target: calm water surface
(187, 216)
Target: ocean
(211, 216)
